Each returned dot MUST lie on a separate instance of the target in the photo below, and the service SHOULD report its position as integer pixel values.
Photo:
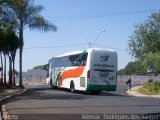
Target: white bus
(91, 70)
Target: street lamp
(91, 44)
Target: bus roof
(80, 51)
(70, 53)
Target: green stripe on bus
(63, 68)
(58, 77)
(93, 87)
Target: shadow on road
(46, 93)
(111, 94)
(40, 95)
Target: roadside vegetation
(143, 46)
(41, 67)
(150, 88)
(15, 17)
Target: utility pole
(91, 44)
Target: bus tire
(72, 87)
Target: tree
(13, 45)
(152, 62)
(146, 37)
(1, 51)
(121, 72)
(4, 51)
(9, 43)
(22, 14)
(41, 67)
(135, 67)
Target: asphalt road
(42, 102)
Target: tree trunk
(1, 79)
(20, 57)
(13, 59)
(10, 70)
(5, 69)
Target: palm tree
(2, 47)
(22, 14)
(4, 51)
(9, 43)
(1, 69)
(13, 46)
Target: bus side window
(75, 63)
(69, 64)
(83, 63)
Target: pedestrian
(129, 84)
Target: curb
(10, 96)
(135, 92)
(0, 116)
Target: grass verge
(150, 88)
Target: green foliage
(1, 84)
(9, 41)
(121, 72)
(20, 14)
(144, 45)
(41, 67)
(133, 68)
(152, 62)
(151, 88)
(15, 72)
(146, 37)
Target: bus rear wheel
(72, 88)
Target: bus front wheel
(72, 88)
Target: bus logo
(104, 58)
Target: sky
(80, 22)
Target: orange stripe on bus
(72, 73)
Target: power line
(90, 16)
(48, 47)
(112, 47)
(70, 45)
(100, 15)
